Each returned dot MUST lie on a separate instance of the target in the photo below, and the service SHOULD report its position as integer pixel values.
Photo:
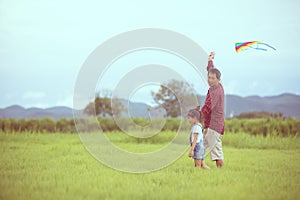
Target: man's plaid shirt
(213, 109)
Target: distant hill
(288, 104)
(19, 112)
(136, 109)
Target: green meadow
(58, 166)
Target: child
(196, 139)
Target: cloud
(67, 101)
(34, 95)
(37, 105)
(9, 96)
(231, 87)
(253, 85)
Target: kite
(258, 45)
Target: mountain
(19, 112)
(288, 104)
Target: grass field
(57, 166)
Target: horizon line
(147, 103)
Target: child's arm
(193, 145)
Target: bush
(108, 124)
(264, 127)
(269, 126)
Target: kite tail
(257, 48)
(267, 45)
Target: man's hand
(211, 56)
(191, 154)
(204, 132)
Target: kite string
(267, 45)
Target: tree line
(169, 97)
(263, 126)
(263, 114)
(63, 125)
(44, 125)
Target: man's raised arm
(210, 61)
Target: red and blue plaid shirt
(213, 109)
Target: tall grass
(236, 140)
(245, 140)
(57, 166)
(264, 126)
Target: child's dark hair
(194, 114)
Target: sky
(43, 45)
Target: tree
(263, 114)
(176, 98)
(46, 125)
(2, 125)
(102, 106)
(90, 109)
(62, 125)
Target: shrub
(264, 126)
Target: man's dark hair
(216, 72)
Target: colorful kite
(240, 46)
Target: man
(213, 114)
